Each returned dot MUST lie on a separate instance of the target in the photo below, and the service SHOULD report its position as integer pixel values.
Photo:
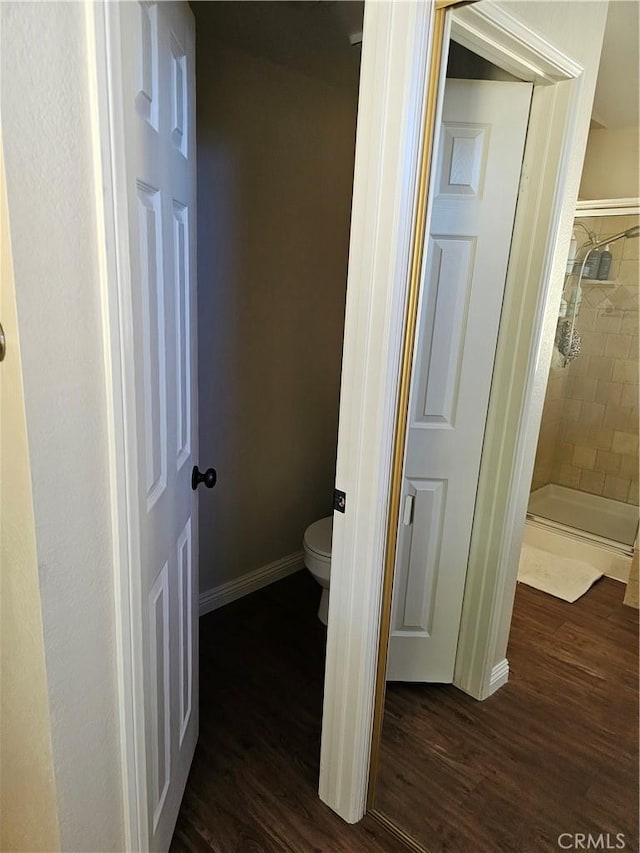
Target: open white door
(475, 190)
(157, 42)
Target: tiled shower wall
(589, 433)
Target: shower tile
(617, 346)
(632, 497)
(630, 321)
(593, 295)
(593, 343)
(619, 417)
(601, 438)
(631, 249)
(571, 410)
(617, 249)
(616, 488)
(635, 344)
(629, 396)
(625, 370)
(608, 463)
(564, 451)
(569, 476)
(553, 410)
(540, 478)
(592, 414)
(609, 392)
(583, 457)
(629, 466)
(541, 475)
(581, 388)
(623, 298)
(574, 432)
(628, 273)
(543, 467)
(600, 367)
(547, 437)
(579, 367)
(587, 319)
(555, 388)
(608, 321)
(592, 481)
(615, 268)
(624, 442)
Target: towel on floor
(563, 577)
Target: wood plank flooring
(555, 750)
(253, 784)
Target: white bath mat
(563, 577)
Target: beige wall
(51, 195)
(589, 434)
(275, 170)
(611, 165)
(28, 813)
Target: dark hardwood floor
(253, 784)
(554, 751)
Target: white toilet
(317, 558)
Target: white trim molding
(495, 34)
(608, 207)
(499, 676)
(104, 71)
(395, 56)
(554, 153)
(225, 593)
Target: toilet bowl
(317, 558)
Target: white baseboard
(499, 676)
(212, 599)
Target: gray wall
(275, 170)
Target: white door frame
(535, 277)
(371, 366)
(107, 128)
(396, 49)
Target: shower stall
(585, 481)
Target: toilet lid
(318, 535)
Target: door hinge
(339, 500)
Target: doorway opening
(277, 94)
(276, 109)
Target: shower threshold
(593, 518)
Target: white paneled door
(477, 178)
(158, 74)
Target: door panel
(158, 54)
(479, 160)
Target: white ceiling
(617, 90)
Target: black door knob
(208, 478)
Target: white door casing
(157, 42)
(475, 189)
